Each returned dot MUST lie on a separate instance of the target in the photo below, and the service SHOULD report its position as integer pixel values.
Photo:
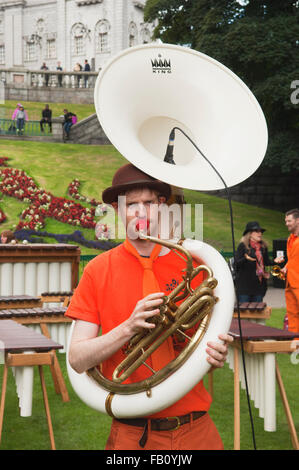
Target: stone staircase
(88, 132)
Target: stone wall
(88, 132)
(50, 94)
(269, 188)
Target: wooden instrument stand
(26, 348)
(28, 310)
(268, 341)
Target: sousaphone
(140, 96)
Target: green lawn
(54, 166)
(34, 109)
(76, 426)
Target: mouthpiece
(142, 225)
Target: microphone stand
(169, 155)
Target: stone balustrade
(20, 77)
(48, 86)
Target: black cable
(234, 256)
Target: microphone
(169, 151)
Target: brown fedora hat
(129, 177)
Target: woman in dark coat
(251, 259)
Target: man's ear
(161, 199)
(115, 206)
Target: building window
(145, 35)
(79, 49)
(2, 54)
(102, 42)
(79, 34)
(30, 51)
(102, 36)
(51, 49)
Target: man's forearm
(90, 352)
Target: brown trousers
(200, 434)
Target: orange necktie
(164, 353)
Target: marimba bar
(19, 301)
(253, 311)
(35, 268)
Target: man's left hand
(217, 352)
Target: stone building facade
(68, 31)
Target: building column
(13, 33)
(61, 35)
(120, 26)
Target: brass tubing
(276, 272)
(148, 340)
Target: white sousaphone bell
(140, 96)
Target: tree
(259, 41)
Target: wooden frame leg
(287, 410)
(58, 379)
(236, 401)
(47, 408)
(3, 395)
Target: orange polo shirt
(110, 287)
(293, 260)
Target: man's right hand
(145, 309)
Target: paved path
(275, 298)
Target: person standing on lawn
(291, 270)
(119, 292)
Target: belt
(161, 424)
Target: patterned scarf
(260, 268)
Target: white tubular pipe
(54, 331)
(42, 278)
(18, 278)
(26, 389)
(6, 279)
(258, 401)
(61, 336)
(54, 280)
(54, 277)
(262, 386)
(256, 382)
(65, 277)
(30, 279)
(270, 393)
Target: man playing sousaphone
(119, 292)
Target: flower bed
(2, 216)
(16, 183)
(73, 190)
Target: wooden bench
(24, 348)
